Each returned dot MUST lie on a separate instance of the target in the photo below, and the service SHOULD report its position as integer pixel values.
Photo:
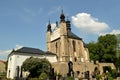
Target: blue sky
(23, 22)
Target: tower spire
(62, 16)
(62, 11)
(56, 23)
(49, 21)
(68, 25)
(49, 26)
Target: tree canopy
(104, 50)
(36, 66)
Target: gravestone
(51, 74)
(87, 75)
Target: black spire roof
(62, 17)
(49, 26)
(68, 25)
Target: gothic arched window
(74, 46)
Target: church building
(65, 44)
(70, 48)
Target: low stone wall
(81, 67)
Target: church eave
(49, 53)
(55, 39)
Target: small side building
(17, 57)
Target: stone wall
(62, 67)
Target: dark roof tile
(30, 50)
(72, 35)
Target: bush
(3, 73)
(71, 78)
(109, 76)
(98, 76)
(43, 76)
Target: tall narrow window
(56, 46)
(74, 46)
(9, 74)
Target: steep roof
(28, 50)
(85, 45)
(72, 35)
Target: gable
(30, 50)
(55, 34)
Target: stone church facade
(68, 47)
(65, 44)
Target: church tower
(49, 31)
(64, 43)
(63, 39)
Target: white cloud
(115, 32)
(112, 32)
(5, 53)
(18, 47)
(89, 24)
(53, 25)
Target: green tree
(108, 40)
(100, 50)
(118, 51)
(117, 63)
(36, 66)
(92, 50)
(104, 50)
(96, 51)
